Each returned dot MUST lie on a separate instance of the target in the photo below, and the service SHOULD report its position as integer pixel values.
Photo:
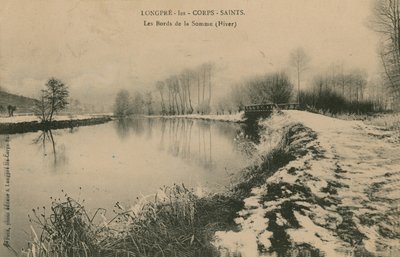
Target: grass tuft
(175, 222)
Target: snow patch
(341, 193)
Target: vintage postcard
(200, 128)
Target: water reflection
(46, 140)
(149, 128)
(180, 140)
(253, 130)
(187, 139)
(125, 126)
(198, 143)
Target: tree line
(187, 92)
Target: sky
(98, 47)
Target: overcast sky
(98, 47)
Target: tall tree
(138, 103)
(186, 78)
(171, 108)
(148, 101)
(299, 60)
(386, 22)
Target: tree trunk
(298, 84)
(204, 89)
(182, 104)
(209, 87)
(162, 103)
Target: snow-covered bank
(237, 117)
(340, 194)
(23, 124)
(33, 118)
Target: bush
(331, 102)
(269, 88)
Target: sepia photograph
(232, 128)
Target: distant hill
(23, 104)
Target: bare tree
(53, 99)
(206, 71)
(210, 70)
(148, 101)
(160, 87)
(177, 94)
(171, 108)
(386, 21)
(198, 90)
(299, 60)
(186, 78)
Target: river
(113, 162)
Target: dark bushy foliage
(332, 102)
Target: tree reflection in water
(45, 138)
(125, 125)
(149, 128)
(188, 144)
(187, 139)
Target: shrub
(331, 102)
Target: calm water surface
(117, 161)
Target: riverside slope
(23, 124)
(341, 195)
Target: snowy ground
(30, 118)
(341, 196)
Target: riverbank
(339, 195)
(23, 124)
(236, 117)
